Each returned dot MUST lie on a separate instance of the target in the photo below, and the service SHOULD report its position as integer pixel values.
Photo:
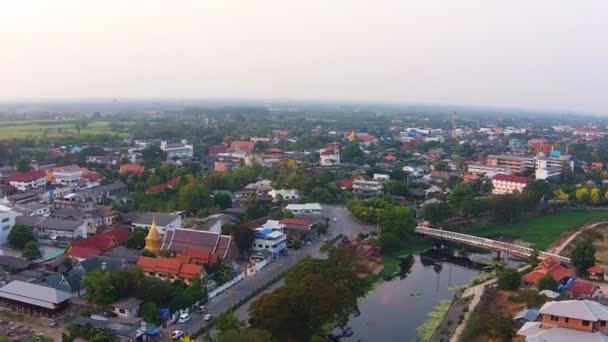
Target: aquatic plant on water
(427, 329)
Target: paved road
(346, 224)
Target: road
(346, 224)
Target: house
(370, 254)
(169, 269)
(217, 149)
(33, 209)
(13, 264)
(307, 208)
(597, 272)
(381, 177)
(568, 320)
(33, 298)
(241, 146)
(177, 150)
(550, 266)
(390, 158)
(345, 184)
(261, 187)
(163, 221)
(507, 184)
(126, 307)
(296, 227)
(27, 180)
(290, 195)
(49, 227)
(471, 177)
(581, 289)
(365, 188)
(330, 155)
(179, 240)
(70, 283)
(131, 169)
(7, 221)
(271, 240)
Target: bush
(509, 279)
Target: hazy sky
(523, 53)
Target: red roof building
(98, 244)
(470, 177)
(288, 221)
(218, 149)
(345, 184)
(390, 158)
(132, 169)
(241, 146)
(169, 268)
(198, 257)
(550, 266)
(582, 289)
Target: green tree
(137, 238)
(243, 237)
(150, 312)
(148, 253)
(583, 256)
(181, 300)
(22, 165)
(193, 197)
(351, 152)
(222, 200)
(99, 288)
(31, 251)
(509, 279)
(396, 188)
(228, 321)
(245, 335)
(547, 283)
(19, 236)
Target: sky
(550, 54)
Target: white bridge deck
(472, 240)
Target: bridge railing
(485, 242)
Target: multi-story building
(568, 320)
(517, 164)
(330, 155)
(271, 240)
(7, 221)
(177, 150)
(27, 180)
(507, 184)
(365, 188)
(67, 175)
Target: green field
(541, 231)
(59, 130)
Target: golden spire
(353, 136)
(153, 239)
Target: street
(346, 224)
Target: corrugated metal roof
(33, 294)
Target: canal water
(395, 308)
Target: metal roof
(33, 294)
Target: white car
(335, 219)
(208, 317)
(177, 334)
(183, 318)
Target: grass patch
(427, 329)
(541, 231)
(59, 130)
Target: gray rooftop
(161, 219)
(33, 294)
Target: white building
(177, 150)
(507, 184)
(330, 155)
(482, 169)
(365, 188)
(544, 171)
(306, 208)
(270, 237)
(292, 195)
(27, 180)
(68, 175)
(7, 221)
(381, 177)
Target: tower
(353, 136)
(153, 239)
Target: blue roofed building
(267, 239)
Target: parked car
(208, 317)
(177, 334)
(183, 318)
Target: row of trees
(316, 291)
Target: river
(395, 308)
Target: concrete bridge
(498, 246)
